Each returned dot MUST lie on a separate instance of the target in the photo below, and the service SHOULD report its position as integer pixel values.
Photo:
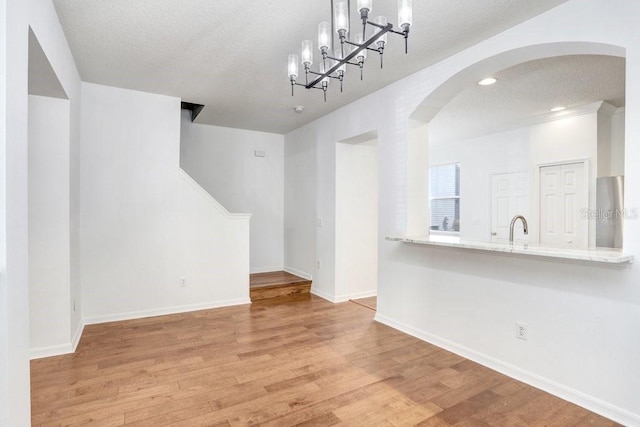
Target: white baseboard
(299, 273)
(342, 298)
(367, 294)
(322, 294)
(163, 311)
(54, 350)
(266, 269)
(60, 349)
(591, 403)
(75, 340)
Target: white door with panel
(564, 194)
(509, 197)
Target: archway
(439, 97)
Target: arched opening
(590, 132)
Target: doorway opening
(357, 218)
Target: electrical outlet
(183, 283)
(522, 331)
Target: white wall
(222, 161)
(145, 224)
(49, 226)
(604, 142)
(582, 318)
(300, 203)
(14, 295)
(356, 220)
(16, 16)
(418, 179)
(480, 158)
(617, 142)
(45, 25)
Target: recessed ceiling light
(558, 108)
(488, 81)
(298, 108)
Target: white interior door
(564, 192)
(509, 197)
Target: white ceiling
(527, 91)
(231, 55)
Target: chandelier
(351, 50)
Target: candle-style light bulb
(382, 21)
(360, 56)
(324, 36)
(341, 17)
(323, 68)
(324, 81)
(338, 55)
(405, 14)
(293, 67)
(293, 70)
(382, 40)
(342, 69)
(363, 53)
(405, 19)
(307, 53)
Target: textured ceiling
(231, 56)
(530, 90)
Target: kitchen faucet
(513, 223)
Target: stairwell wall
(152, 241)
(224, 162)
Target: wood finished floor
(274, 278)
(277, 284)
(279, 362)
(370, 302)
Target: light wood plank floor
(279, 362)
(277, 284)
(371, 302)
(274, 278)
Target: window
(444, 197)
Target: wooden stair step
(277, 284)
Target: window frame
(431, 199)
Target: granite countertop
(602, 255)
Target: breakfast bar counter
(598, 255)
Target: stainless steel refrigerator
(609, 211)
